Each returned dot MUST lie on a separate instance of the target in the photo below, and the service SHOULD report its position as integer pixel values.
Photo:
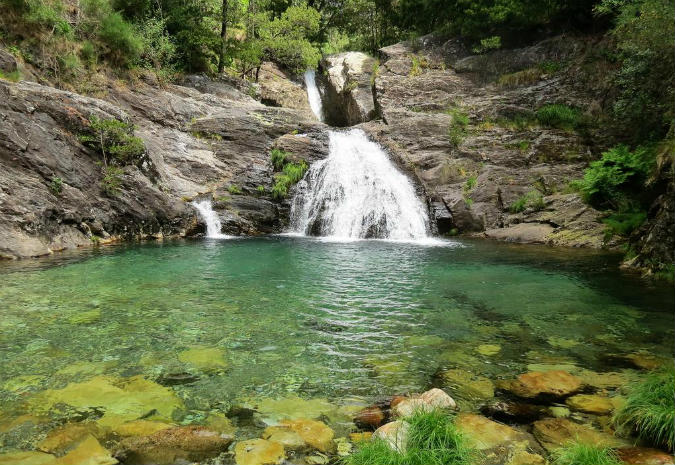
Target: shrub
(457, 131)
(578, 453)
(14, 76)
(650, 409)
(123, 43)
(115, 140)
(487, 44)
(623, 223)
(433, 440)
(260, 190)
(233, 189)
(470, 184)
(112, 180)
(559, 116)
(532, 199)
(278, 158)
(56, 186)
(619, 171)
(291, 174)
(520, 78)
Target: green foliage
(470, 183)
(487, 44)
(611, 181)
(56, 185)
(579, 453)
(159, 49)
(115, 141)
(623, 223)
(112, 180)
(291, 174)
(233, 189)
(559, 116)
(533, 200)
(260, 190)
(14, 76)
(458, 126)
(650, 409)
(433, 440)
(418, 64)
(278, 158)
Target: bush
(112, 180)
(278, 158)
(487, 44)
(291, 174)
(124, 45)
(115, 140)
(650, 409)
(619, 172)
(433, 440)
(623, 223)
(56, 186)
(532, 199)
(233, 189)
(559, 116)
(578, 453)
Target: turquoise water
(294, 317)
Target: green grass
(532, 199)
(457, 131)
(623, 223)
(291, 174)
(559, 116)
(650, 409)
(578, 453)
(434, 440)
(278, 158)
(14, 76)
(234, 189)
(56, 186)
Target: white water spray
(210, 217)
(313, 94)
(357, 193)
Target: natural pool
(284, 323)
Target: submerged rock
(369, 417)
(169, 446)
(315, 433)
(549, 384)
(395, 434)
(27, 458)
(61, 439)
(205, 359)
(587, 403)
(140, 428)
(88, 452)
(552, 433)
(485, 434)
(292, 407)
(643, 456)
(285, 436)
(259, 452)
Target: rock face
(278, 90)
(473, 142)
(348, 98)
(200, 140)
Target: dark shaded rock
(7, 61)
(513, 412)
(369, 418)
(644, 456)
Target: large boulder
(543, 384)
(552, 433)
(348, 99)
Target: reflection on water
(222, 323)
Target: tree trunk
(223, 39)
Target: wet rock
(523, 233)
(608, 380)
(7, 62)
(369, 417)
(395, 434)
(292, 407)
(85, 318)
(315, 433)
(343, 447)
(205, 359)
(88, 452)
(587, 403)
(548, 384)
(464, 384)
(486, 434)
(61, 439)
(641, 360)
(513, 412)
(290, 439)
(349, 98)
(169, 446)
(27, 458)
(432, 399)
(220, 423)
(488, 349)
(140, 428)
(643, 456)
(358, 437)
(522, 457)
(555, 432)
(259, 452)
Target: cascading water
(313, 94)
(213, 225)
(357, 193)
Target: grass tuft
(578, 453)
(650, 409)
(434, 440)
(559, 116)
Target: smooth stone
(468, 385)
(554, 384)
(409, 407)
(437, 398)
(432, 399)
(259, 452)
(168, 446)
(288, 438)
(644, 456)
(27, 458)
(315, 433)
(369, 417)
(88, 452)
(293, 407)
(122, 399)
(559, 411)
(552, 433)
(220, 423)
(205, 359)
(140, 428)
(646, 361)
(485, 434)
(610, 380)
(597, 405)
(317, 459)
(489, 349)
(343, 447)
(522, 457)
(395, 434)
(59, 440)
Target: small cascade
(313, 94)
(210, 217)
(357, 193)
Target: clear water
(301, 317)
(211, 219)
(357, 192)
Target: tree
(223, 38)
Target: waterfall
(313, 94)
(356, 193)
(210, 217)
